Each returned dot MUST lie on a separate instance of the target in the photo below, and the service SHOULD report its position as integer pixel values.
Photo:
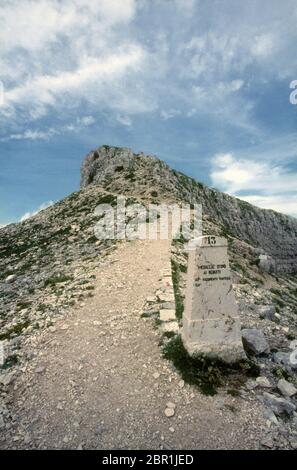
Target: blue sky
(203, 84)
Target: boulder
(254, 341)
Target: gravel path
(98, 380)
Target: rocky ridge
(121, 171)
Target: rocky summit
(90, 341)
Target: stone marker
(211, 323)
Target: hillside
(81, 329)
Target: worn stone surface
(211, 323)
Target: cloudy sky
(203, 84)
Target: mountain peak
(120, 171)
(108, 160)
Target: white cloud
(44, 205)
(33, 24)
(125, 120)
(87, 120)
(108, 55)
(236, 85)
(35, 134)
(78, 54)
(46, 89)
(262, 183)
(263, 45)
(169, 114)
(287, 204)
(32, 135)
(236, 175)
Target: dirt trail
(99, 381)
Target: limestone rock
(263, 382)
(254, 341)
(286, 388)
(267, 442)
(169, 412)
(166, 297)
(270, 416)
(167, 315)
(11, 278)
(279, 406)
(170, 326)
(168, 305)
